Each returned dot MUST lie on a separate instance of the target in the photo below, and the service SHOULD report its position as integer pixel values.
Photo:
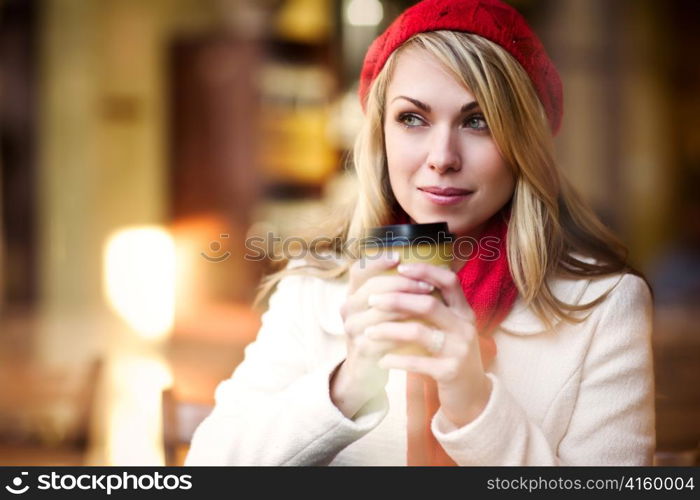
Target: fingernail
(403, 268)
(392, 257)
(426, 286)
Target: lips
(445, 196)
(445, 191)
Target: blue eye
(476, 122)
(410, 120)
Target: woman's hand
(463, 387)
(359, 377)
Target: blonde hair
(549, 221)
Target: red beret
(491, 19)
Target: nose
(444, 152)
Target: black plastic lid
(408, 234)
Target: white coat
(577, 394)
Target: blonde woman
(541, 353)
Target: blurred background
(142, 141)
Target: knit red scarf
(490, 291)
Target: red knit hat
(491, 19)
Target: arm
(275, 410)
(613, 416)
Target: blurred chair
(675, 458)
(46, 413)
(675, 277)
(180, 420)
(676, 343)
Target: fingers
(401, 331)
(367, 267)
(389, 283)
(373, 349)
(356, 324)
(415, 338)
(425, 307)
(363, 345)
(445, 280)
(416, 332)
(441, 370)
(357, 301)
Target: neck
(458, 259)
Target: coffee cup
(429, 243)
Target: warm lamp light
(135, 426)
(364, 12)
(139, 279)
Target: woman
(541, 356)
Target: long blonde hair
(549, 220)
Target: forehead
(420, 75)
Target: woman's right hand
(359, 378)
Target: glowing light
(135, 428)
(139, 279)
(364, 12)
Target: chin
(431, 218)
(462, 228)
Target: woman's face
(437, 138)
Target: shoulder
(626, 297)
(621, 286)
(623, 289)
(304, 278)
(291, 285)
(621, 306)
(309, 271)
(625, 292)
(308, 297)
(617, 317)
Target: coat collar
(523, 321)
(330, 295)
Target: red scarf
(490, 291)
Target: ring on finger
(436, 341)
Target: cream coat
(578, 394)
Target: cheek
(402, 158)
(500, 177)
(495, 175)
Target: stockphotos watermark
(270, 247)
(106, 483)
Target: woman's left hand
(463, 387)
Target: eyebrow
(425, 107)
